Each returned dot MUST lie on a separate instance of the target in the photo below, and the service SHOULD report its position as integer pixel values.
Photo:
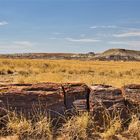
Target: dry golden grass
(78, 127)
(20, 127)
(75, 128)
(90, 72)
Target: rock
(1, 102)
(105, 102)
(43, 87)
(74, 92)
(132, 93)
(105, 95)
(2, 110)
(3, 115)
(30, 102)
(80, 105)
(53, 98)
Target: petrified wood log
(73, 92)
(106, 101)
(132, 93)
(3, 113)
(51, 97)
(56, 98)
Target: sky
(70, 26)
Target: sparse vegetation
(78, 127)
(89, 72)
(23, 128)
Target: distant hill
(49, 55)
(119, 54)
(111, 54)
(38, 55)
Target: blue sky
(68, 25)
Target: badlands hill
(119, 54)
(111, 54)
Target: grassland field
(78, 127)
(89, 72)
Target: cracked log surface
(51, 97)
(106, 102)
(57, 98)
(132, 93)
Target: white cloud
(103, 26)
(127, 34)
(57, 33)
(128, 43)
(23, 43)
(93, 27)
(16, 45)
(82, 40)
(2, 23)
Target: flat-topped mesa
(52, 97)
(132, 93)
(105, 99)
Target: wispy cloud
(82, 40)
(121, 28)
(23, 43)
(52, 38)
(128, 43)
(57, 33)
(17, 46)
(2, 23)
(128, 34)
(103, 26)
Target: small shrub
(42, 128)
(134, 127)
(19, 125)
(114, 127)
(76, 127)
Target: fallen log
(106, 102)
(53, 98)
(132, 93)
